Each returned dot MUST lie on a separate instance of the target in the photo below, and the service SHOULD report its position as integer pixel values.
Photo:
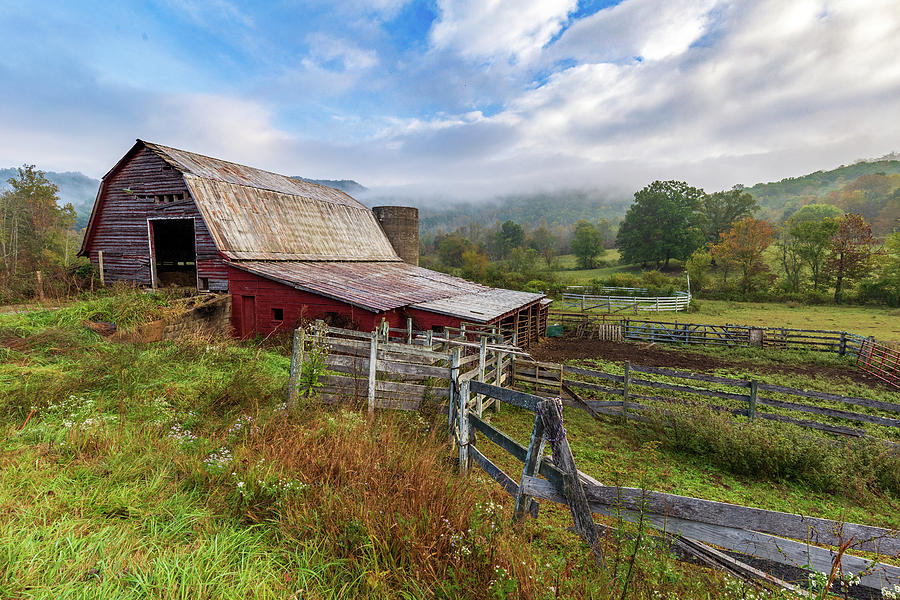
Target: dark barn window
(278, 314)
(175, 257)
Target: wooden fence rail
(586, 324)
(831, 413)
(784, 538)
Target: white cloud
(487, 29)
(648, 29)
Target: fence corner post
(843, 349)
(751, 411)
(625, 383)
(373, 368)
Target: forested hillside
(868, 188)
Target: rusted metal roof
(257, 215)
(382, 286)
(217, 169)
(255, 224)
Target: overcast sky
(457, 97)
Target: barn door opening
(173, 253)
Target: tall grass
(780, 452)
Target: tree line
(817, 246)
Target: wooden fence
(642, 330)
(879, 360)
(783, 538)
(840, 342)
(584, 302)
(637, 390)
(420, 367)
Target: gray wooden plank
(762, 545)
(520, 399)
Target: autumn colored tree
(851, 251)
(743, 246)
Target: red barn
(284, 248)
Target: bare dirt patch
(657, 355)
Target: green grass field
(173, 470)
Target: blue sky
(458, 98)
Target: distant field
(882, 323)
(568, 272)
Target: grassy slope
(114, 483)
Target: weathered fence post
(409, 330)
(429, 336)
(482, 360)
(843, 348)
(625, 383)
(373, 368)
(100, 266)
(296, 364)
(453, 400)
(550, 413)
(532, 465)
(463, 413)
(751, 411)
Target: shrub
(779, 452)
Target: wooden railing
(783, 538)
(637, 390)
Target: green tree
(697, 266)
(451, 247)
(813, 241)
(509, 236)
(851, 251)
(661, 224)
(33, 228)
(587, 244)
(790, 258)
(545, 243)
(721, 209)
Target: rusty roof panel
(381, 286)
(256, 224)
(229, 172)
(481, 306)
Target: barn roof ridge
(248, 175)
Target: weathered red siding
(295, 304)
(120, 228)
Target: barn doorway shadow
(174, 254)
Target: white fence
(583, 302)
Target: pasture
(175, 469)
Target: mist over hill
(565, 207)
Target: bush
(780, 452)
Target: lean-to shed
(284, 248)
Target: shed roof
(381, 286)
